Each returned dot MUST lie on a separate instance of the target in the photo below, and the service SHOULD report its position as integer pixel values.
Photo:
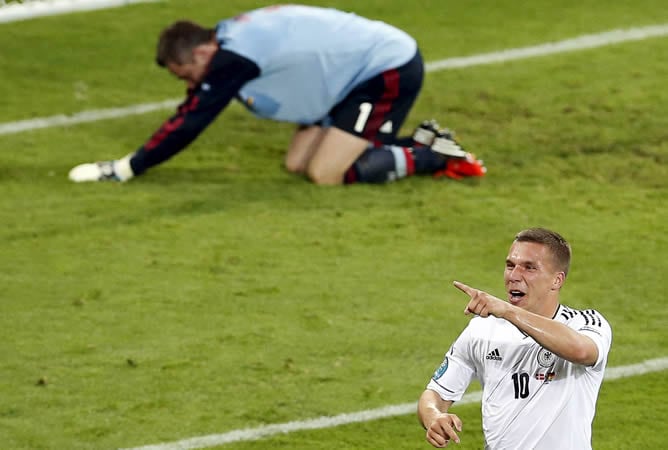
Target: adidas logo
(494, 355)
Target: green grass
(219, 292)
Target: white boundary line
(12, 12)
(254, 434)
(579, 43)
(583, 42)
(84, 116)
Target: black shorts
(376, 109)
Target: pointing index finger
(463, 287)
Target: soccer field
(220, 302)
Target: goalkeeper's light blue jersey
(309, 58)
(287, 63)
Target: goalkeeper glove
(116, 170)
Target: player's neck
(549, 308)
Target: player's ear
(196, 52)
(558, 281)
(203, 52)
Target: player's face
(191, 72)
(530, 277)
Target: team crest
(546, 358)
(441, 369)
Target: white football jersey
(531, 398)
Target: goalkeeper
(347, 82)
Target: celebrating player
(346, 81)
(540, 363)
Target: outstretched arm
(552, 335)
(228, 72)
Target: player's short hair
(558, 246)
(177, 41)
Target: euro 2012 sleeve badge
(441, 369)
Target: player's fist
(444, 429)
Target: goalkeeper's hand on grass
(116, 170)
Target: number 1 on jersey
(365, 112)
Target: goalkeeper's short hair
(177, 41)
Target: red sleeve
(228, 72)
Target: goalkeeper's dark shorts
(376, 109)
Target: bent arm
(431, 406)
(554, 336)
(441, 426)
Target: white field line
(579, 43)
(11, 12)
(253, 434)
(83, 117)
(583, 42)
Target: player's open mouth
(516, 296)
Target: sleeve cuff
(123, 168)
